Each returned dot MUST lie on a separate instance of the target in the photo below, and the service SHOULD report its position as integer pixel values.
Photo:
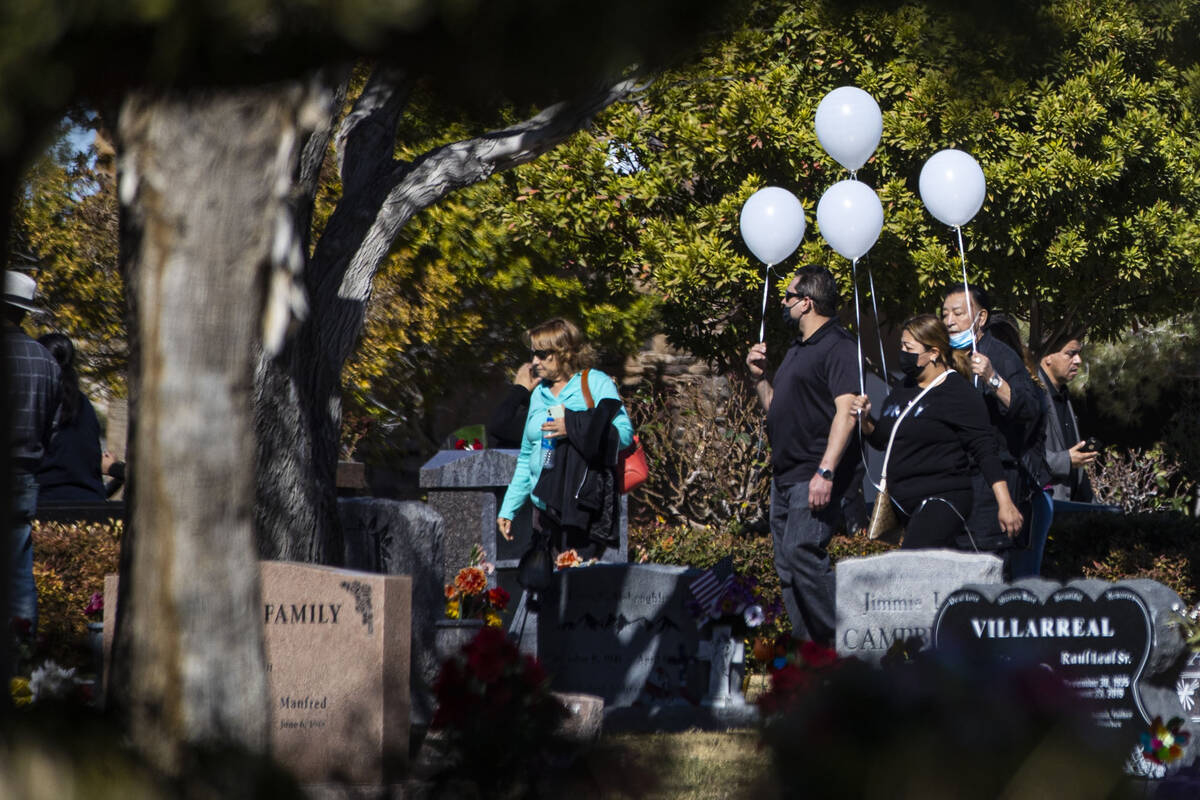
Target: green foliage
(65, 226)
(1078, 112)
(1160, 546)
(1139, 377)
(1141, 481)
(70, 565)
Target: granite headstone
(895, 596)
(1114, 644)
(467, 487)
(624, 633)
(337, 644)
(403, 538)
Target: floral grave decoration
(795, 668)
(568, 559)
(1164, 744)
(725, 597)
(495, 713)
(468, 596)
(94, 610)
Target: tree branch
(366, 139)
(370, 217)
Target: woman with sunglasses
(573, 432)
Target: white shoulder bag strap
(896, 426)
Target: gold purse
(885, 525)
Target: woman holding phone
(575, 427)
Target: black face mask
(908, 364)
(789, 323)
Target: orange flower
(470, 580)
(568, 558)
(451, 592)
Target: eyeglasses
(790, 295)
(541, 355)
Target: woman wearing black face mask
(928, 470)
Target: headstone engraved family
(338, 646)
(895, 596)
(1114, 644)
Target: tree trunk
(206, 182)
(299, 397)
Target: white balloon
(850, 218)
(849, 125)
(952, 187)
(772, 224)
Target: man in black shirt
(33, 398)
(1014, 410)
(1066, 455)
(809, 425)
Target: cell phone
(1092, 444)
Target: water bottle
(548, 447)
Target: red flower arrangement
(468, 597)
(794, 672)
(492, 687)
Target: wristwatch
(827, 474)
(995, 381)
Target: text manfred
(1042, 628)
(301, 613)
(303, 703)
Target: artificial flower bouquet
(468, 596)
(739, 603)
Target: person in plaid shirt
(33, 398)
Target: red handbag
(632, 469)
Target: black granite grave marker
(1099, 646)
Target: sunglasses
(541, 355)
(790, 295)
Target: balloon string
(878, 329)
(962, 255)
(862, 383)
(762, 325)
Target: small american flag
(710, 587)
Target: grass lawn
(694, 765)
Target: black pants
(932, 521)
(565, 537)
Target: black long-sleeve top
(70, 471)
(930, 454)
(506, 426)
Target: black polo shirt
(814, 372)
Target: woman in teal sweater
(559, 357)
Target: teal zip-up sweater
(529, 463)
